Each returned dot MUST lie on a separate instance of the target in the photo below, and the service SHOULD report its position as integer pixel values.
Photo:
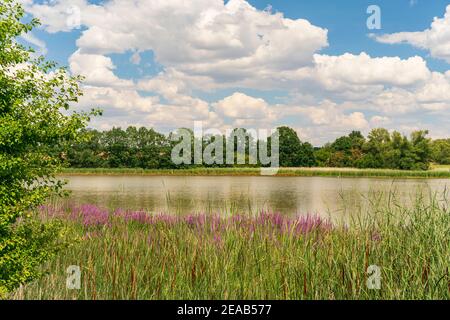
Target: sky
(315, 66)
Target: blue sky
(169, 65)
(345, 20)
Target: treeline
(440, 151)
(145, 148)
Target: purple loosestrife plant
(91, 216)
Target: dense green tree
(397, 156)
(440, 151)
(375, 149)
(148, 149)
(244, 146)
(323, 155)
(345, 151)
(380, 150)
(421, 150)
(88, 153)
(117, 148)
(293, 152)
(153, 149)
(33, 94)
(306, 155)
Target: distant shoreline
(442, 173)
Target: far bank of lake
(440, 172)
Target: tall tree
(33, 94)
(293, 152)
(440, 151)
(376, 149)
(421, 149)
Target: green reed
(294, 172)
(131, 260)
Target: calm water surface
(289, 195)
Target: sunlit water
(288, 195)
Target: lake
(288, 195)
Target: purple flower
(205, 225)
(90, 215)
(376, 236)
(218, 240)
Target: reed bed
(284, 172)
(139, 255)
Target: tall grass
(294, 172)
(136, 255)
(441, 167)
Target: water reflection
(288, 195)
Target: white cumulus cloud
(209, 45)
(436, 39)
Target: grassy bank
(136, 255)
(440, 167)
(286, 172)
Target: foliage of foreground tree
(34, 103)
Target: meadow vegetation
(140, 255)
